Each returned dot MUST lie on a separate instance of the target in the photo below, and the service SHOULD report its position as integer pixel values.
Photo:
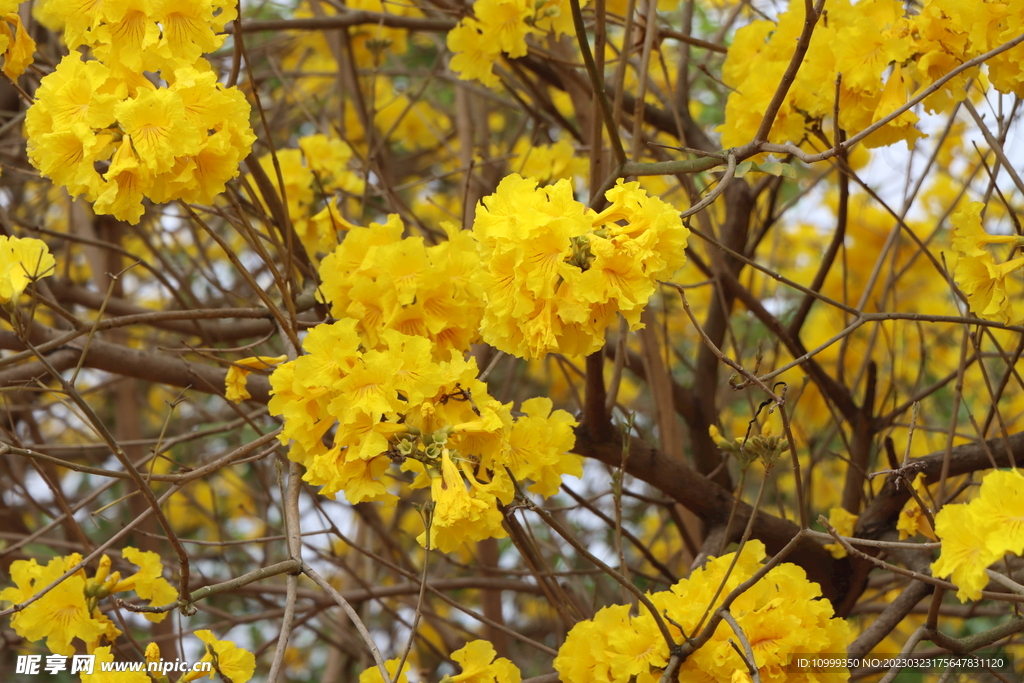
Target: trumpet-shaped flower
(474, 52)
(155, 121)
(22, 260)
(62, 614)
(235, 379)
(480, 665)
(984, 282)
(965, 551)
(230, 661)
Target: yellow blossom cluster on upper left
(183, 141)
(71, 609)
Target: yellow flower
(460, 515)
(474, 52)
(372, 674)
(479, 665)
(584, 655)
(235, 380)
(965, 552)
(76, 92)
(61, 615)
(540, 444)
(129, 36)
(970, 238)
(912, 519)
(1000, 503)
(155, 120)
(189, 29)
(894, 96)
(148, 583)
(104, 656)
(20, 48)
(984, 282)
(128, 182)
(230, 661)
(640, 647)
(503, 23)
(22, 260)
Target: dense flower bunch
(557, 272)
(983, 279)
(976, 534)
(389, 283)
(780, 616)
(395, 404)
(22, 260)
(317, 170)
(862, 41)
(477, 660)
(501, 26)
(70, 610)
(182, 141)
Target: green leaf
(772, 167)
(788, 171)
(743, 168)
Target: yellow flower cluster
(477, 660)
(22, 260)
(315, 171)
(862, 41)
(501, 26)
(70, 610)
(977, 272)
(390, 283)
(976, 534)
(780, 615)
(394, 404)
(183, 141)
(557, 272)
